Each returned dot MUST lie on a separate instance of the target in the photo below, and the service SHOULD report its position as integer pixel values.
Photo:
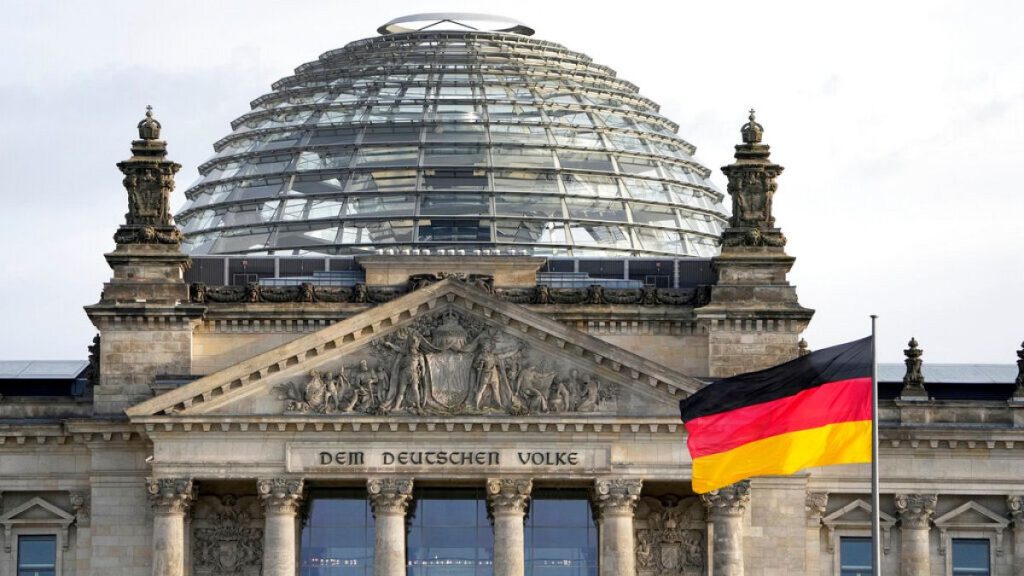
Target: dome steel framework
(453, 140)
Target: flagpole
(876, 532)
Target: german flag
(812, 411)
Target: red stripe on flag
(829, 403)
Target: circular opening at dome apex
(454, 21)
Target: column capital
(280, 495)
(508, 495)
(616, 496)
(389, 495)
(170, 495)
(915, 510)
(814, 506)
(1015, 502)
(731, 500)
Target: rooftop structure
(453, 132)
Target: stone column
(814, 505)
(1015, 503)
(280, 497)
(726, 507)
(389, 501)
(507, 500)
(170, 499)
(615, 501)
(915, 512)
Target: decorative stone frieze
(508, 495)
(389, 495)
(280, 495)
(814, 505)
(170, 495)
(616, 496)
(227, 536)
(915, 510)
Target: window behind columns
(449, 533)
(971, 557)
(37, 555)
(854, 556)
(561, 538)
(338, 536)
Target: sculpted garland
(447, 365)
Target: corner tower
(144, 315)
(754, 319)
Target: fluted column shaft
(280, 498)
(615, 502)
(915, 511)
(726, 508)
(389, 501)
(170, 499)
(507, 500)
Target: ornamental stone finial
(508, 494)
(752, 131)
(802, 347)
(913, 380)
(280, 495)
(149, 127)
(170, 495)
(915, 510)
(1018, 393)
(616, 496)
(389, 496)
(731, 500)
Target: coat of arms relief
(447, 364)
(671, 537)
(227, 536)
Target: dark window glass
(971, 557)
(37, 555)
(854, 556)
(560, 535)
(450, 534)
(338, 538)
(454, 230)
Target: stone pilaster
(280, 498)
(915, 512)
(615, 502)
(726, 508)
(815, 505)
(389, 501)
(1015, 503)
(507, 500)
(170, 499)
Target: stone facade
(466, 374)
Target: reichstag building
(429, 310)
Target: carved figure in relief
(490, 376)
(590, 395)
(558, 396)
(409, 370)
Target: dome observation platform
(445, 136)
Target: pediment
(449, 349)
(855, 514)
(37, 511)
(971, 514)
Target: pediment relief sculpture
(671, 537)
(449, 363)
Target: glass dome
(465, 140)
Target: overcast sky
(900, 126)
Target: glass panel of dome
(577, 138)
(534, 206)
(590, 185)
(391, 133)
(606, 210)
(256, 188)
(513, 112)
(585, 161)
(435, 230)
(627, 143)
(654, 214)
(660, 240)
(380, 206)
(395, 113)
(342, 116)
(454, 179)
(522, 157)
(324, 159)
(372, 156)
(454, 156)
(451, 133)
(382, 181)
(454, 92)
(304, 237)
(572, 117)
(324, 209)
(388, 232)
(455, 205)
(240, 241)
(326, 136)
(664, 148)
(511, 180)
(293, 210)
(654, 127)
(518, 134)
(316, 185)
(240, 216)
(647, 189)
(530, 231)
(638, 166)
(459, 112)
(591, 234)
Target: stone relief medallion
(447, 364)
(227, 536)
(670, 537)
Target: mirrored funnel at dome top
(453, 132)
